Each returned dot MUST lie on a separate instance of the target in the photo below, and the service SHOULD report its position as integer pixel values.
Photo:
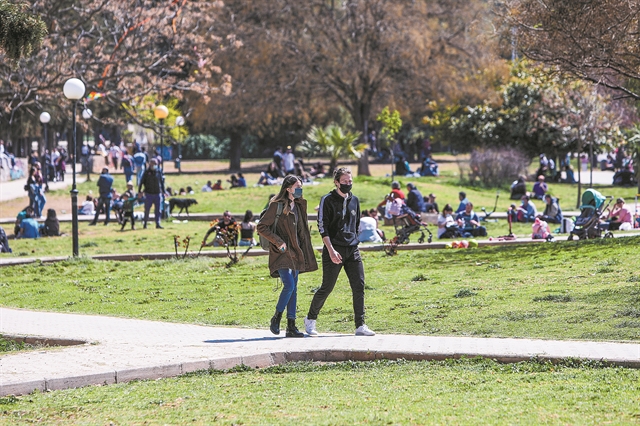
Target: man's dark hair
(462, 194)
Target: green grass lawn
(573, 290)
(107, 240)
(468, 391)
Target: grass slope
(574, 290)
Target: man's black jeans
(352, 263)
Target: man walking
(153, 183)
(338, 223)
(105, 182)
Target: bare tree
(597, 41)
(122, 50)
(361, 55)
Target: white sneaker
(363, 330)
(310, 327)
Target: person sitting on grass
(51, 226)
(430, 204)
(218, 185)
(242, 182)
(527, 211)
(470, 223)
(552, 212)
(619, 217)
(447, 226)
(87, 207)
(208, 187)
(29, 227)
(540, 188)
(518, 188)
(247, 229)
(369, 232)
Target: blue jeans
(41, 201)
(128, 174)
(104, 206)
(289, 294)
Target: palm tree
(334, 142)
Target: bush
(494, 168)
(205, 147)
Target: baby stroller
(587, 225)
(405, 224)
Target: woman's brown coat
(299, 254)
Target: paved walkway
(119, 350)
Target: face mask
(297, 193)
(345, 189)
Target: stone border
(45, 341)
(257, 361)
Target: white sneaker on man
(363, 330)
(310, 327)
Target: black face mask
(345, 189)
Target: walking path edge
(119, 350)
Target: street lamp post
(45, 117)
(161, 112)
(74, 90)
(179, 123)
(87, 114)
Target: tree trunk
(361, 121)
(579, 178)
(235, 152)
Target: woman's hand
(283, 247)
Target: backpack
(264, 243)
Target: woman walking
(290, 251)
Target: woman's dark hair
(51, 214)
(283, 196)
(447, 208)
(248, 215)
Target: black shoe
(292, 330)
(145, 225)
(275, 323)
(159, 227)
(92, 224)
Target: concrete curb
(256, 251)
(264, 360)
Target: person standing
(105, 184)
(290, 251)
(289, 161)
(127, 165)
(153, 183)
(140, 160)
(338, 223)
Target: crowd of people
(284, 164)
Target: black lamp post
(179, 123)
(74, 90)
(45, 117)
(161, 112)
(87, 114)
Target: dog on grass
(183, 203)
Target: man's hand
(335, 256)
